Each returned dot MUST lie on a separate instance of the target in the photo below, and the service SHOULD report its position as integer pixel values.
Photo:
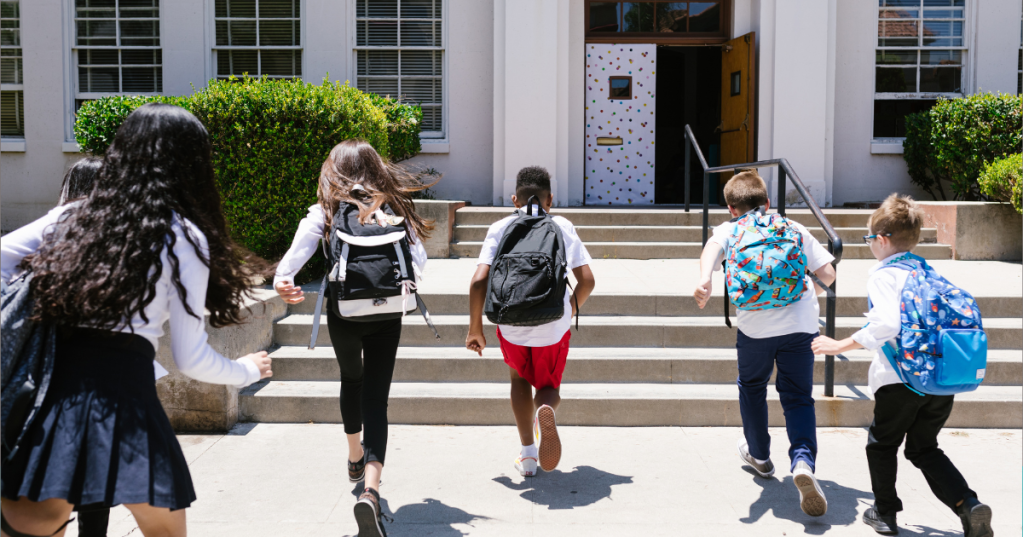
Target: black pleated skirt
(101, 436)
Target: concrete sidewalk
(289, 479)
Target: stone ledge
(977, 230)
(442, 212)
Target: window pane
(897, 33)
(377, 62)
(380, 86)
(12, 114)
(420, 34)
(431, 119)
(604, 17)
(890, 116)
(287, 63)
(941, 57)
(945, 3)
(142, 57)
(672, 16)
(10, 71)
(941, 79)
(236, 8)
(238, 33)
(9, 10)
(140, 33)
(704, 17)
(376, 33)
(638, 17)
(899, 3)
(141, 79)
(421, 62)
(896, 57)
(420, 9)
(943, 33)
(237, 62)
(377, 8)
(98, 79)
(97, 57)
(419, 90)
(97, 32)
(275, 9)
(895, 80)
(278, 32)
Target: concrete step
(597, 364)
(691, 250)
(631, 216)
(601, 405)
(641, 303)
(613, 331)
(630, 233)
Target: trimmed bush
(270, 138)
(958, 138)
(1001, 180)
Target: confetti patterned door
(620, 85)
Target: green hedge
(1001, 180)
(954, 140)
(270, 138)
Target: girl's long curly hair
(100, 264)
(355, 162)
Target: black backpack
(529, 273)
(370, 272)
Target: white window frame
(18, 87)
(1019, 66)
(432, 138)
(212, 29)
(967, 67)
(71, 92)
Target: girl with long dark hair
(354, 173)
(148, 244)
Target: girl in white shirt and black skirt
(147, 245)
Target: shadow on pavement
(782, 498)
(428, 518)
(584, 485)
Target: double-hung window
(12, 91)
(117, 48)
(921, 52)
(399, 53)
(258, 38)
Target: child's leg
(379, 349)
(348, 352)
(547, 396)
(895, 410)
(756, 361)
(522, 407)
(945, 480)
(795, 390)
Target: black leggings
(366, 352)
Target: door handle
(609, 140)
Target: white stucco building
(510, 83)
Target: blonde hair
(746, 191)
(901, 218)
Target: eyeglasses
(868, 238)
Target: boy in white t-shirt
(770, 337)
(900, 414)
(536, 355)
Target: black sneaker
(976, 518)
(368, 515)
(883, 524)
(357, 470)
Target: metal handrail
(784, 171)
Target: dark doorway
(688, 91)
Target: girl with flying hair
(354, 173)
(147, 244)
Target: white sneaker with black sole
(811, 497)
(764, 469)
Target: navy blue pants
(757, 359)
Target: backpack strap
(317, 312)
(426, 315)
(728, 321)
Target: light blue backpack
(942, 347)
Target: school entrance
(652, 68)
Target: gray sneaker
(811, 497)
(763, 470)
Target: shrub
(1001, 180)
(959, 138)
(403, 122)
(270, 138)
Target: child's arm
(884, 320)
(826, 274)
(476, 341)
(712, 256)
(303, 246)
(583, 287)
(831, 347)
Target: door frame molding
(695, 38)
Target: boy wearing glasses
(774, 337)
(900, 413)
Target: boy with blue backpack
(930, 344)
(765, 277)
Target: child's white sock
(758, 460)
(529, 451)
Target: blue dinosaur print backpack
(764, 262)
(942, 347)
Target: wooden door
(737, 91)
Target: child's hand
(476, 342)
(290, 293)
(262, 362)
(826, 345)
(702, 292)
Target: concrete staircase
(644, 354)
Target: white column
(186, 39)
(995, 45)
(327, 48)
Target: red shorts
(542, 367)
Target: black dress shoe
(976, 518)
(883, 524)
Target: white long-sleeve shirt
(884, 320)
(192, 353)
(307, 240)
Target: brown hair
(746, 191)
(355, 162)
(901, 217)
